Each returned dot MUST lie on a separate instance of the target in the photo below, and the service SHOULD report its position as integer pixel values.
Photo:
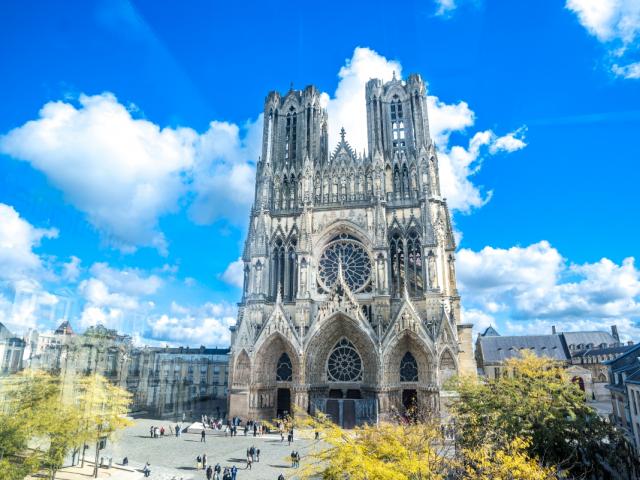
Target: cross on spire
(342, 134)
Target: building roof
(4, 332)
(490, 332)
(589, 338)
(64, 328)
(496, 349)
(594, 352)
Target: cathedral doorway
(409, 398)
(283, 403)
(348, 413)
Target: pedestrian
(177, 430)
(317, 435)
(125, 461)
(209, 472)
(202, 437)
(281, 436)
(151, 431)
(147, 469)
(249, 462)
(252, 451)
(297, 459)
(289, 438)
(234, 472)
(204, 461)
(198, 462)
(255, 429)
(162, 431)
(216, 471)
(157, 432)
(226, 475)
(245, 429)
(257, 455)
(293, 458)
(281, 477)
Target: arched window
(415, 275)
(291, 287)
(290, 135)
(345, 364)
(397, 263)
(405, 181)
(284, 370)
(277, 267)
(397, 123)
(408, 368)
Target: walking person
(147, 469)
(293, 458)
(204, 461)
(202, 437)
(209, 472)
(151, 431)
(216, 472)
(297, 459)
(234, 472)
(249, 462)
(258, 455)
(198, 462)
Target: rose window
(344, 363)
(349, 254)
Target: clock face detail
(354, 259)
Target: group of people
(295, 459)
(156, 432)
(213, 473)
(253, 455)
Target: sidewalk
(86, 473)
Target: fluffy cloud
(536, 283)
(234, 274)
(18, 238)
(615, 23)
(445, 7)
(204, 325)
(347, 108)
(131, 281)
(457, 163)
(124, 172)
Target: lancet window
(397, 123)
(284, 370)
(407, 265)
(408, 368)
(290, 135)
(284, 269)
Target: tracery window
(345, 364)
(290, 135)
(284, 370)
(349, 254)
(284, 269)
(415, 275)
(408, 368)
(397, 123)
(397, 263)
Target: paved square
(172, 457)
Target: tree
(412, 451)
(40, 425)
(103, 408)
(538, 403)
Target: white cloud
(71, 270)
(536, 283)
(347, 107)
(457, 163)
(224, 173)
(18, 238)
(234, 274)
(204, 325)
(608, 20)
(615, 23)
(122, 172)
(445, 7)
(125, 173)
(131, 281)
(631, 71)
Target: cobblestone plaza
(172, 456)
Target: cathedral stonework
(350, 304)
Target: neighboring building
(165, 382)
(350, 304)
(11, 351)
(624, 385)
(583, 352)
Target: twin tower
(349, 304)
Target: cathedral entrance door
(333, 410)
(284, 402)
(409, 398)
(348, 413)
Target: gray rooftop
(586, 338)
(496, 349)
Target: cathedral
(349, 305)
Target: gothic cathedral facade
(349, 304)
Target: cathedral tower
(350, 304)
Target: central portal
(283, 405)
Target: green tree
(103, 408)
(536, 401)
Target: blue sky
(129, 137)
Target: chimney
(553, 329)
(614, 333)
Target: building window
(344, 363)
(397, 123)
(408, 368)
(284, 371)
